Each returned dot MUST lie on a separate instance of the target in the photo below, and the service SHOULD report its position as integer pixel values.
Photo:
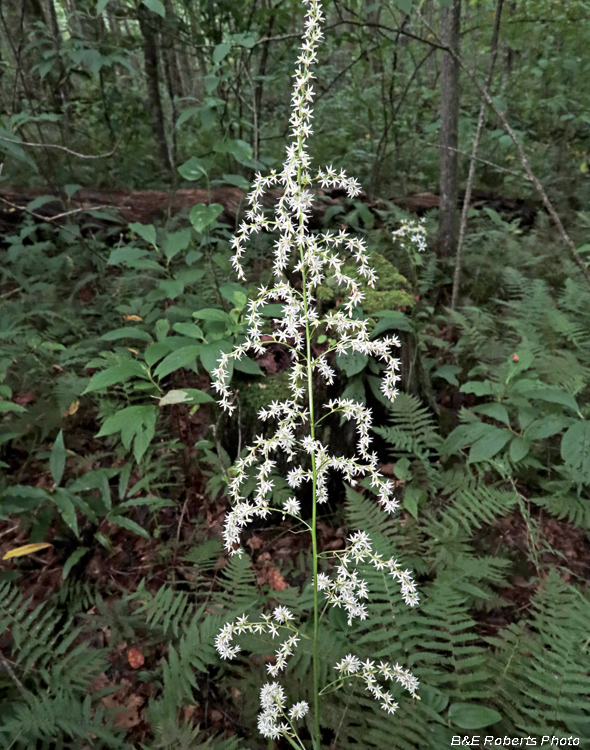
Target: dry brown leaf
(135, 657)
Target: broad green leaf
(433, 698)
(124, 479)
(220, 52)
(126, 418)
(100, 6)
(189, 276)
(185, 115)
(553, 396)
(404, 5)
(176, 243)
(156, 351)
(172, 288)
(98, 479)
(210, 354)
(412, 498)
(240, 150)
(236, 180)
(352, 363)
(199, 397)
(464, 434)
(126, 255)
(247, 366)
(178, 359)
(213, 314)
(519, 362)
(478, 388)
(448, 373)
(156, 6)
(228, 292)
(147, 232)
(273, 310)
(57, 458)
(468, 716)
(39, 202)
(202, 216)
(402, 470)
(75, 557)
(390, 321)
(129, 525)
(116, 374)
(67, 509)
(546, 427)
(136, 424)
(489, 444)
(22, 498)
(161, 328)
(143, 437)
(6, 406)
(247, 40)
(192, 330)
(495, 410)
(519, 448)
(10, 144)
(575, 449)
(127, 333)
(355, 389)
(192, 169)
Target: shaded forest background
(129, 133)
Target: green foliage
(108, 334)
(50, 668)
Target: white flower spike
(302, 263)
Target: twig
(7, 666)
(57, 216)
(521, 176)
(61, 148)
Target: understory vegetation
(116, 460)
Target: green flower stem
(314, 541)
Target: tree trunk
(148, 21)
(449, 117)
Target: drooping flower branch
(303, 261)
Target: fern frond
(541, 670)
(572, 507)
(469, 509)
(413, 428)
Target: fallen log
(149, 206)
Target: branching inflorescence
(302, 263)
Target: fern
(565, 505)
(413, 429)
(51, 665)
(541, 667)
(469, 509)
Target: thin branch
(61, 148)
(6, 664)
(52, 218)
(481, 160)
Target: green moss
(259, 393)
(389, 292)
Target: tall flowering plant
(302, 263)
